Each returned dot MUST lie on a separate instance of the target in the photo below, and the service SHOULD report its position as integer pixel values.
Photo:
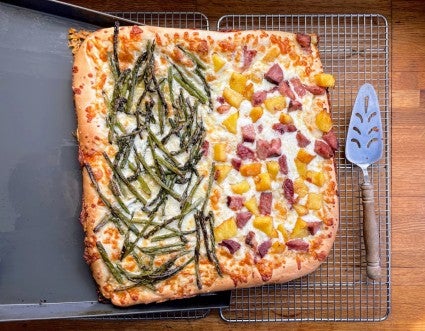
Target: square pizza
(207, 157)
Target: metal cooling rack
(191, 20)
(355, 49)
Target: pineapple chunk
(221, 172)
(271, 55)
(256, 113)
(315, 177)
(226, 230)
(220, 152)
(325, 80)
(301, 168)
(248, 91)
(281, 209)
(278, 247)
(304, 156)
(238, 82)
(232, 97)
(272, 168)
(240, 188)
(265, 224)
(301, 210)
(250, 169)
(275, 104)
(252, 205)
(314, 201)
(231, 123)
(300, 229)
(218, 62)
(285, 118)
(300, 187)
(324, 121)
(263, 182)
(283, 231)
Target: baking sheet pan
(42, 272)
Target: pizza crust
(92, 136)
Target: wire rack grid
(355, 49)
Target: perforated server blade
(364, 147)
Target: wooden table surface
(407, 26)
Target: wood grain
(407, 22)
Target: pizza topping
(313, 227)
(298, 86)
(294, 105)
(267, 149)
(236, 163)
(205, 147)
(331, 139)
(274, 75)
(250, 240)
(231, 245)
(248, 133)
(235, 202)
(297, 245)
(245, 152)
(314, 89)
(302, 140)
(264, 248)
(304, 40)
(248, 56)
(258, 98)
(242, 218)
(288, 190)
(323, 149)
(283, 164)
(282, 128)
(222, 109)
(285, 90)
(265, 205)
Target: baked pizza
(207, 160)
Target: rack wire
(355, 49)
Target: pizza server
(364, 147)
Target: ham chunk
(264, 248)
(323, 149)
(304, 40)
(244, 152)
(313, 227)
(282, 128)
(297, 245)
(242, 218)
(248, 133)
(274, 75)
(314, 89)
(298, 86)
(266, 200)
(258, 98)
(235, 202)
(302, 140)
(205, 147)
(250, 240)
(331, 139)
(294, 105)
(236, 163)
(267, 149)
(288, 190)
(231, 245)
(285, 90)
(248, 56)
(283, 165)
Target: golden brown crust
(88, 79)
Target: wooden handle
(370, 232)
